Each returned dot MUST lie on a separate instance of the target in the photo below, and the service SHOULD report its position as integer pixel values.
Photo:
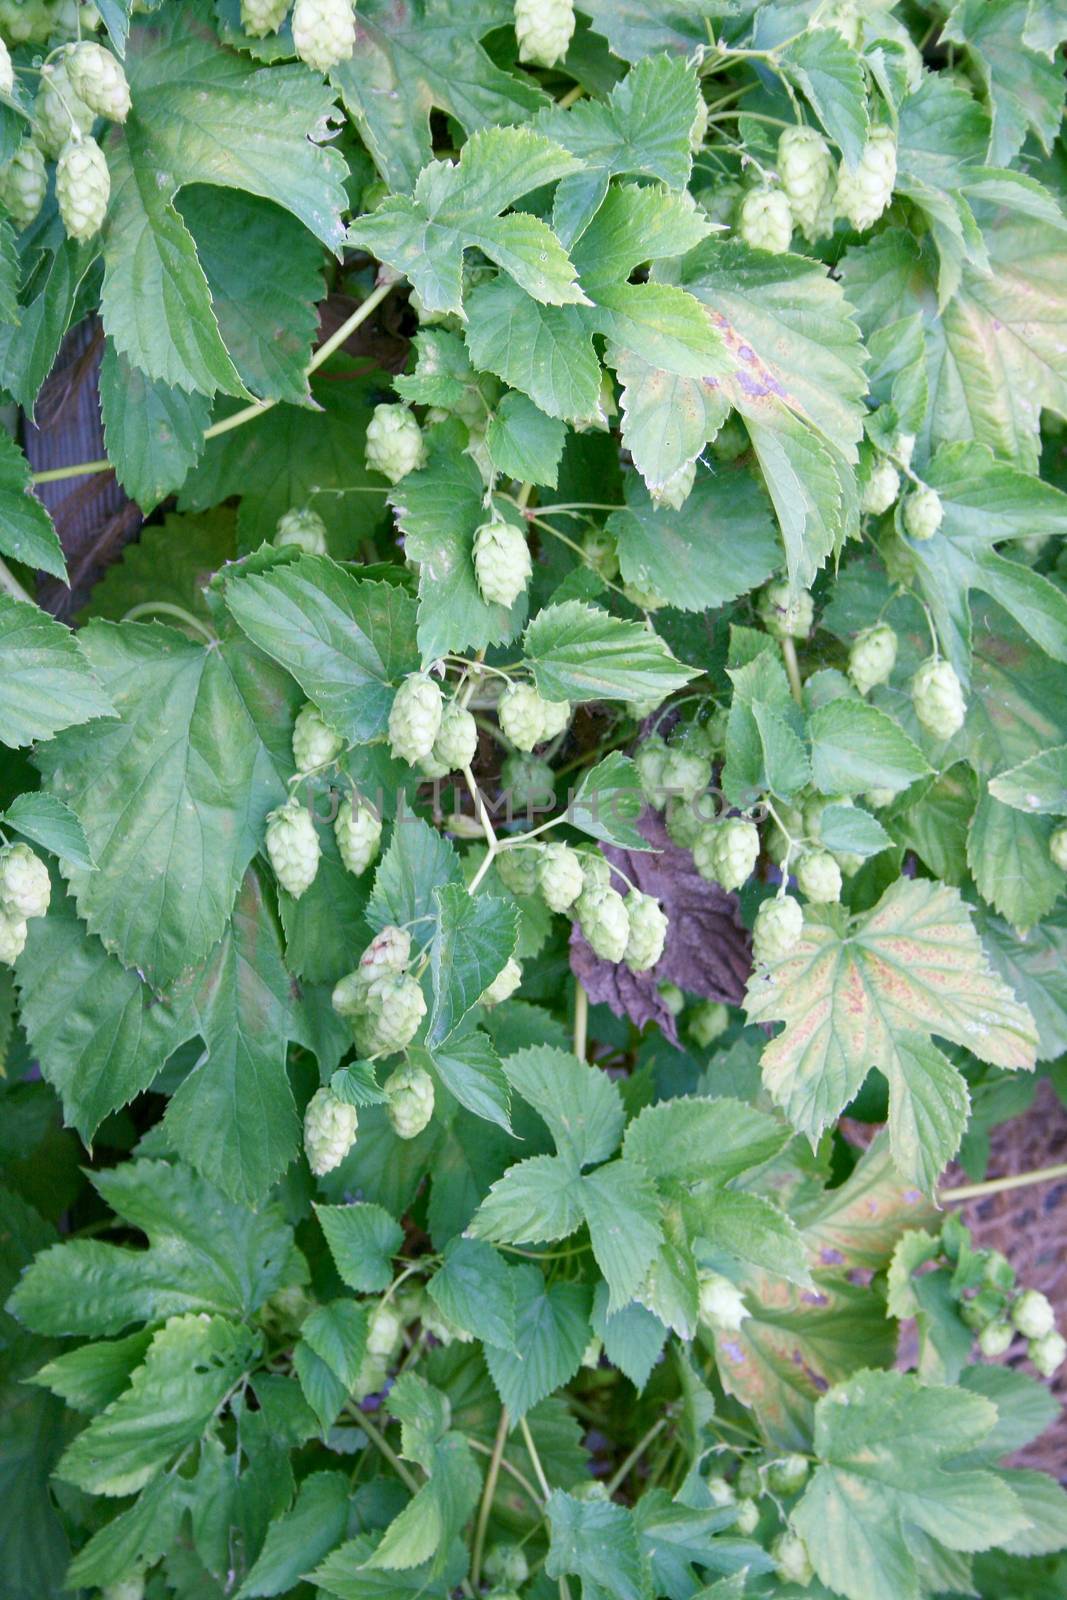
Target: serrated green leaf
(51, 824)
(579, 1103)
(26, 531)
(578, 652)
(46, 682)
(596, 1541)
(1008, 854)
(473, 1288)
(830, 75)
(621, 1211)
(691, 1141)
(869, 996)
(536, 348)
(347, 1574)
(633, 1337)
(417, 863)
(171, 561)
(1025, 90)
(764, 749)
(28, 347)
(551, 1331)
(363, 1238)
(299, 1539)
(140, 1534)
(344, 640)
(855, 747)
(469, 1067)
(337, 1333)
(474, 937)
(154, 434)
(1038, 786)
(537, 1201)
(852, 830)
(608, 803)
(1035, 967)
(523, 442)
(89, 1378)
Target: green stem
(382, 1445)
(520, 1477)
(166, 608)
(11, 585)
(488, 1494)
(792, 667)
(258, 408)
(1018, 1180)
(531, 1450)
(568, 99)
(635, 1455)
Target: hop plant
(556, 715)
(394, 1008)
(385, 1329)
(324, 32)
(651, 762)
(260, 17)
(98, 79)
(685, 773)
(503, 985)
(791, 1560)
(684, 821)
(788, 1475)
(304, 528)
(726, 852)
(329, 1131)
(872, 657)
(819, 877)
(528, 780)
(507, 1564)
(1033, 1315)
(388, 952)
(358, 831)
(559, 876)
(502, 562)
(731, 440)
(863, 194)
(314, 744)
(60, 115)
(673, 492)
(672, 997)
(938, 699)
(881, 488)
(410, 1092)
(13, 934)
(601, 552)
(415, 718)
(517, 870)
(7, 70)
(995, 1338)
(293, 847)
(1057, 848)
(395, 445)
(24, 184)
(544, 29)
(922, 513)
(747, 1519)
(522, 715)
(25, 887)
(777, 929)
(83, 187)
(457, 739)
(765, 220)
(722, 1305)
(806, 170)
(604, 921)
(786, 615)
(648, 931)
(845, 19)
(707, 1022)
(1048, 1353)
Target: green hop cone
(1057, 848)
(806, 169)
(604, 921)
(24, 184)
(685, 773)
(601, 552)
(324, 32)
(304, 528)
(684, 821)
(502, 562)
(410, 1107)
(872, 657)
(507, 1564)
(726, 852)
(556, 714)
(777, 930)
(83, 187)
(596, 869)
(528, 780)
(731, 440)
(881, 488)
(543, 29)
(672, 997)
(503, 985)
(293, 847)
(388, 952)
(395, 445)
(559, 876)
(358, 831)
(786, 615)
(995, 1338)
(938, 699)
(1048, 1353)
(394, 1008)
(648, 931)
(672, 492)
(651, 761)
(747, 1520)
(260, 17)
(129, 1587)
(329, 1131)
(522, 715)
(60, 115)
(415, 718)
(314, 744)
(13, 933)
(845, 19)
(98, 78)
(25, 887)
(819, 877)
(765, 220)
(864, 193)
(720, 1491)
(517, 870)
(1033, 1315)
(922, 513)
(791, 1561)
(7, 70)
(385, 1330)
(707, 1022)
(457, 740)
(721, 1303)
(788, 1475)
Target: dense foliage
(585, 712)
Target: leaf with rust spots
(871, 996)
(706, 951)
